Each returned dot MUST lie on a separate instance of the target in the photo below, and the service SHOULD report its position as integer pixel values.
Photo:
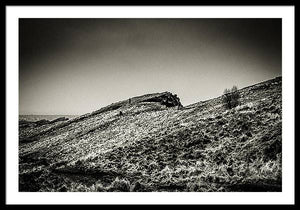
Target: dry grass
(157, 148)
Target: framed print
(150, 105)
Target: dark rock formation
(42, 122)
(59, 119)
(166, 98)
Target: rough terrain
(152, 143)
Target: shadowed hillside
(152, 143)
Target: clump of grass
(247, 106)
(98, 187)
(120, 185)
(195, 187)
(139, 187)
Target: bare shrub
(231, 97)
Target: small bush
(231, 97)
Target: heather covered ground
(151, 143)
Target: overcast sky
(75, 66)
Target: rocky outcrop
(59, 119)
(166, 98)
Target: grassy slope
(202, 147)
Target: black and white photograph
(150, 105)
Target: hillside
(152, 143)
